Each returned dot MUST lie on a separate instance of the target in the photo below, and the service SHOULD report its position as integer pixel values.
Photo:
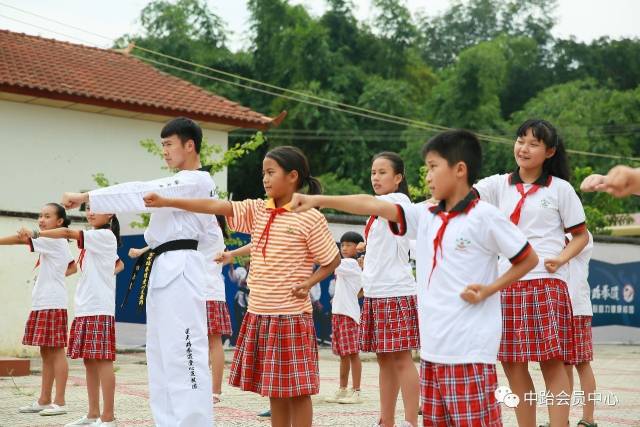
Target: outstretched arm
(621, 181)
(227, 257)
(16, 239)
(206, 206)
(359, 204)
(56, 233)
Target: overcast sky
(584, 19)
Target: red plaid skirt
(389, 324)
(582, 340)
(344, 335)
(46, 328)
(459, 395)
(276, 356)
(93, 337)
(536, 322)
(218, 319)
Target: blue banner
(613, 289)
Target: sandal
(216, 398)
(583, 423)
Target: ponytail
(61, 213)
(542, 130)
(222, 222)
(114, 226)
(313, 185)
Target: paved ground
(617, 372)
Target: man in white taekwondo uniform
(177, 345)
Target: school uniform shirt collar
(462, 206)
(270, 204)
(543, 180)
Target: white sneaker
(101, 423)
(353, 396)
(34, 408)
(339, 394)
(84, 421)
(54, 409)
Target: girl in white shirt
(389, 320)
(92, 336)
(536, 310)
(47, 323)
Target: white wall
(47, 151)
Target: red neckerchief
(367, 228)
(37, 263)
(543, 180)
(464, 206)
(273, 212)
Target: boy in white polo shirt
(457, 246)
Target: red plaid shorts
(218, 319)
(582, 340)
(276, 356)
(389, 324)
(459, 395)
(46, 328)
(93, 337)
(536, 322)
(344, 335)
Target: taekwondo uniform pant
(178, 355)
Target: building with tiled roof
(107, 81)
(69, 111)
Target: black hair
(185, 129)
(352, 237)
(398, 167)
(291, 158)
(114, 226)
(542, 130)
(455, 146)
(61, 212)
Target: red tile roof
(53, 69)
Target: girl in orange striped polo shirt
(276, 354)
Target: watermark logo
(504, 395)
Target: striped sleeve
(320, 242)
(244, 215)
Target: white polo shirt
(347, 287)
(579, 289)
(96, 291)
(49, 291)
(452, 331)
(387, 271)
(546, 215)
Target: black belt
(147, 260)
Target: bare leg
(280, 412)
(216, 357)
(356, 370)
(389, 388)
(93, 387)
(61, 373)
(588, 385)
(47, 376)
(556, 381)
(301, 411)
(344, 371)
(521, 384)
(409, 384)
(108, 387)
